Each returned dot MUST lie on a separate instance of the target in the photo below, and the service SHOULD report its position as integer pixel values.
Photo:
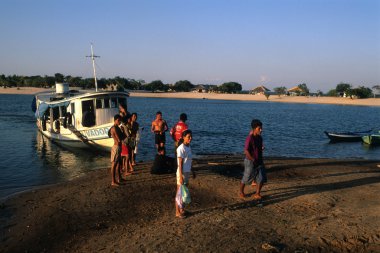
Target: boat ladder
(80, 136)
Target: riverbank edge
(218, 96)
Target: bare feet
(127, 174)
(114, 184)
(181, 216)
(241, 195)
(257, 197)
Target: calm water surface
(293, 130)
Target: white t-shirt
(184, 152)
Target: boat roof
(53, 97)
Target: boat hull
(103, 143)
(345, 137)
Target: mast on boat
(93, 66)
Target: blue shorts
(253, 173)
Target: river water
(28, 160)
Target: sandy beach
(23, 90)
(309, 205)
(238, 97)
(272, 98)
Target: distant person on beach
(117, 136)
(134, 131)
(159, 127)
(177, 129)
(184, 161)
(254, 170)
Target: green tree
(331, 93)
(342, 88)
(3, 80)
(49, 81)
(156, 85)
(280, 90)
(362, 92)
(183, 85)
(59, 78)
(304, 88)
(230, 87)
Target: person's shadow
(287, 193)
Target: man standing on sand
(159, 127)
(117, 136)
(254, 170)
(177, 130)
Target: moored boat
(372, 139)
(77, 118)
(346, 136)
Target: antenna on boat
(93, 66)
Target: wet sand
(309, 205)
(239, 97)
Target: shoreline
(309, 204)
(217, 96)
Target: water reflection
(67, 163)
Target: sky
(267, 42)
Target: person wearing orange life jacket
(177, 130)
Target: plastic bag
(183, 196)
(186, 199)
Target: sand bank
(239, 97)
(309, 205)
(272, 98)
(23, 90)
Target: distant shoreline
(237, 97)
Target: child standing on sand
(184, 160)
(254, 170)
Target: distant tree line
(342, 89)
(345, 89)
(120, 82)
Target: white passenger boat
(78, 118)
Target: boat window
(88, 113)
(62, 111)
(113, 102)
(99, 103)
(55, 113)
(122, 101)
(106, 103)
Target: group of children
(124, 133)
(254, 169)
